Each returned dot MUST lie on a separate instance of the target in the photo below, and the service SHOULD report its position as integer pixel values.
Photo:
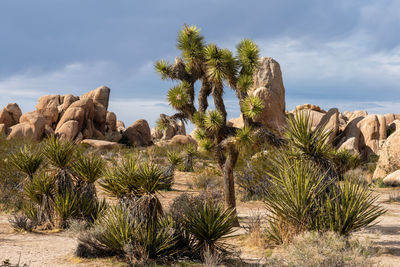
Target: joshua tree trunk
(229, 181)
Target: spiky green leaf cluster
(198, 119)
(163, 68)
(174, 157)
(244, 82)
(220, 63)
(252, 106)
(208, 224)
(59, 152)
(191, 43)
(88, 168)
(206, 145)
(248, 55)
(161, 124)
(177, 96)
(27, 160)
(244, 136)
(213, 120)
(200, 134)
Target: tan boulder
(268, 86)
(236, 122)
(99, 95)
(357, 114)
(310, 107)
(389, 118)
(120, 124)
(48, 107)
(392, 179)
(352, 131)
(137, 134)
(100, 144)
(183, 140)
(349, 144)
(20, 130)
(10, 115)
(111, 121)
(370, 134)
(81, 111)
(389, 159)
(37, 122)
(331, 123)
(66, 101)
(68, 130)
(99, 118)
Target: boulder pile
(73, 118)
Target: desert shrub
(21, 222)
(201, 223)
(174, 159)
(11, 180)
(299, 199)
(191, 152)
(327, 249)
(252, 179)
(26, 160)
(120, 233)
(206, 179)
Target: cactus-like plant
(215, 68)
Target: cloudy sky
(342, 54)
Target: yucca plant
(209, 224)
(110, 234)
(191, 151)
(299, 198)
(349, 209)
(27, 160)
(174, 159)
(215, 68)
(120, 180)
(88, 169)
(310, 144)
(40, 193)
(60, 154)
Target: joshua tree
(215, 68)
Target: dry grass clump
(312, 249)
(206, 179)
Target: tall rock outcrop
(268, 85)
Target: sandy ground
(57, 248)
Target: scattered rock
(10, 115)
(392, 179)
(137, 134)
(100, 144)
(310, 107)
(389, 159)
(331, 122)
(183, 140)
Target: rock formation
(268, 85)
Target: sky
(343, 54)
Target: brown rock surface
(268, 85)
(100, 144)
(183, 140)
(68, 130)
(389, 159)
(138, 134)
(99, 95)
